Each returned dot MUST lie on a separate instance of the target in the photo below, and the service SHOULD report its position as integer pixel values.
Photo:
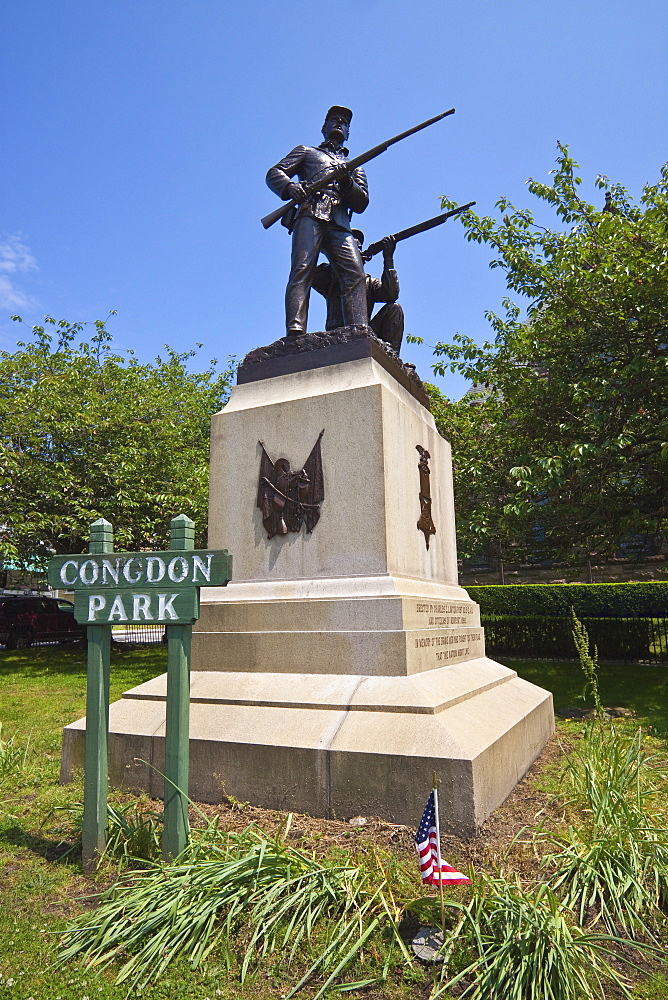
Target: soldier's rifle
(329, 175)
(421, 227)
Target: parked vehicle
(25, 619)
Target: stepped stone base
(338, 745)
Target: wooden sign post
(139, 587)
(177, 724)
(94, 831)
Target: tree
(578, 406)
(484, 449)
(87, 432)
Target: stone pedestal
(341, 667)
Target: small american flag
(429, 850)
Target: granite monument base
(340, 667)
(339, 745)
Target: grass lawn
(42, 689)
(644, 689)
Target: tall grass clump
(523, 944)
(13, 756)
(245, 895)
(133, 832)
(610, 863)
(611, 866)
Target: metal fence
(618, 640)
(138, 635)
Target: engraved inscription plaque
(432, 648)
(446, 613)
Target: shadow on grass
(644, 689)
(51, 850)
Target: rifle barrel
(421, 227)
(370, 154)
(418, 128)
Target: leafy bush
(588, 600)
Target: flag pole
(438, 852)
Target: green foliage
(87, 432)
(488, 518)
(588, 600)
(13, 755)
(626, 620)
(641, 688)
(44, 688)
(570, 434)
(133, 832)
(522, 944)
(612, 866)
(230, 888)
(536, 636)
(588, 663)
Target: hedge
(589, 600)
(530, 637)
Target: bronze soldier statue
(388, 323)
(321, 222)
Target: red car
(31, 618)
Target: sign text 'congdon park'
(161, 587)
(197, 568)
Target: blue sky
(137, 134)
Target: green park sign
(121, 606)
(199, 568)
(139, 587)
(118, 588)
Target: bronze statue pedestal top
(334, 347)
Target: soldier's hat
(338, 110)
(358, 234)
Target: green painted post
(177, 730)
(94, 831)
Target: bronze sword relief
(425, 523)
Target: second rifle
(421, 227)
